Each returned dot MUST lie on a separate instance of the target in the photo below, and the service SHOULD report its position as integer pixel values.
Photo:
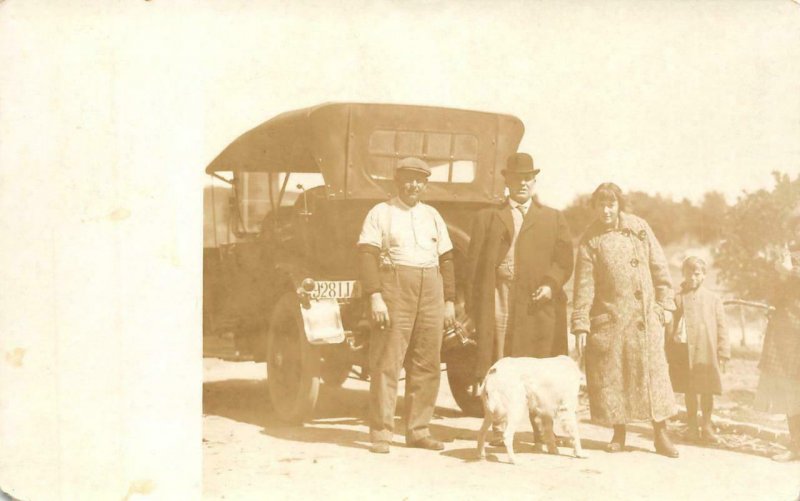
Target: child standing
(699, 342)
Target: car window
(451, 156)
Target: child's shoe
(692, 433)
(708, 434)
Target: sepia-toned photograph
(450, 250)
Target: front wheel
(460, 377)
(293, 364)
(335, 370)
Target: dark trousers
(415, 299)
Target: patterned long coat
(622, 287)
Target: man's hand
(543, 292)
(380, 313)
(667, 317)
(580, 342)
(449, 314)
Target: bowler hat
(414, 164)
(520, 163)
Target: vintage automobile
(285, 279)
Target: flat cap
(414, 164)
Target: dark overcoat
(543, 255)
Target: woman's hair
(608, 192)
(692, 263)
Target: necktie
(521, 209)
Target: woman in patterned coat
(623, 298)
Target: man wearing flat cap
(406, 270)
(520, 256)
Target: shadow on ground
(523, 444)
(247, 401)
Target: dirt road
(250, 455)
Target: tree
(579, 215)
(671, 221)
(712, 214)
(757, 223)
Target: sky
(677, 98)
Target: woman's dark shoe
(617, 443)
(662, 442)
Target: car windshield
(257, 193)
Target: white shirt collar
(514, 204)
(398, 202)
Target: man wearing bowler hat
(406, 271)
(520, 256)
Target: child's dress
(779, 383)
(694, 365)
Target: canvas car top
(356, 147)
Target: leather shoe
(667, 450)
(708, 435)
(692, 433)
(379, 448)
(662, 442)
(617, 443)
(426, 443)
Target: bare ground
(248, 454)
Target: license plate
(334, 289)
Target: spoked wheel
(293, 364)
(461, 367)
(335, 370)
(460, 376)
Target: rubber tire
(293, 364)
(335, 371)
(460, 369)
